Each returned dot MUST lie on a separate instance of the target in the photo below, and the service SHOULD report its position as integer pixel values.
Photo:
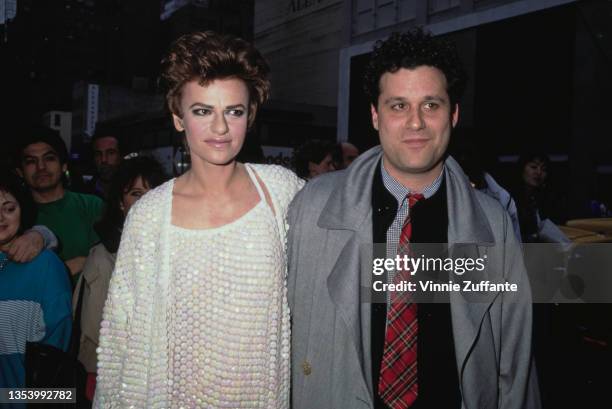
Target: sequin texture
(199, 319)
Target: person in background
(28, 245)
(197, 312)
(107, 157)
(344, 154)
(34, 296)
(538, 204)
(313, 158)
(133, 178)
(464, 149)
(41, 161)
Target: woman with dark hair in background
(314, 158)
(133, 178)
(34, 296)
(197, 312)
(536, 201)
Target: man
(345, 349)
(42, 161)
(313, 158)
(107, 157)
(345, 154)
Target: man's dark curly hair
(410, 50)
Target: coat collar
(349, 206)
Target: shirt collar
(400, 191)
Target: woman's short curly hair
(208, 56)
(410, 50)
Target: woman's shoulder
(99, 253)
(50, 265)
(47, 258)
(99, 261)
(283, 182)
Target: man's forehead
(105, 142)
(426, 75)
(39, 149)
(538, 162)
(348, 148)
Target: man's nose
(415, 120)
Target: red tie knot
(413, 198)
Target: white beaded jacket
(133, 352)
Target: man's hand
(26, 247)
(75, 265)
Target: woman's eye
(11, 209)
(236, 112)
(201, 112)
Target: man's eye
(29, 161)
(201, 111)
(50, 158)
(236, 112)
(430, 106)
(398, 107)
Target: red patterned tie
(398, 385)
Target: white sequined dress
(229, 320)
(199, 318)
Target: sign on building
(91, 116)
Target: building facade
(559, 49)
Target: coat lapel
(469, 234)
(348, 217)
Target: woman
(34, 296)
(537, 202)
(197, 312)
(314, 158)
(133, 178)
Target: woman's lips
(217, 143)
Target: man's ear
(374, 113)
(455, 115)
(19, 172)
(178, 123)
(64, 167)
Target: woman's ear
(178, 123)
